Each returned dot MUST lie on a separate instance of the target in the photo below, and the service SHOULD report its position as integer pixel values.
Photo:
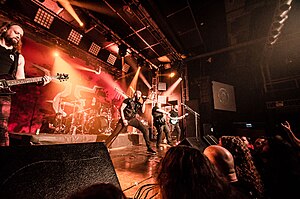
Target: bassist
(174, 121)
(12, 63)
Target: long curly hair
(3, 31)
(185, 173)
(246, 170)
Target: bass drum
(96, 124)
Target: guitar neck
(178, 118)
(24, 81)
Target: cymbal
(69, 104)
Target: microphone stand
(32, 115)
(197, 115)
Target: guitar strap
(13, 69)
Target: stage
(123, 140)
(133, 166)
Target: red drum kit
(93, 119)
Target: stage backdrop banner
(224, 98)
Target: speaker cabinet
(194, 142)
(53, 171)
(199, 143)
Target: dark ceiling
(155, 32)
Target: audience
(235, 169)
(99, 191)
(279, 164)
(248, 144)
(186, 173)
(293, 139)
(247, 173)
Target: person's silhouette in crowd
(223, 161)
(279, 164)
(185, 172)
(247, 173)
(99, 191)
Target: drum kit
(81, 119)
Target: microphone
(144, 97)
(183, 104)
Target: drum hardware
(75, 115)
(100, 123)
(96, 124)
(60, 115)
(70, 123)
(73, 126)
(109, 118)
(60, 127)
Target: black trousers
(160, 128)
(121, 128)
(176, 127)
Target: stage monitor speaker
(199, 143)
(194, 142)
(53, 171)
(211, 140)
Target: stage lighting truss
(94, 49)
(74, 37)
(43, 18)
(280, 16)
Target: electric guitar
(6, 83)
(174, 120)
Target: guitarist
(174, 121)
(160, 125)
(12, 63)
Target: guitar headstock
(62, 76)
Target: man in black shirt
(160, 124)
(174, 122)
(128, 111)
(12, 64)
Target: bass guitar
(174, 120)
(7, 82)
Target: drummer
(94, 106)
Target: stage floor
(134, 167)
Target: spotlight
(272, 40)
(122, 50)
(55, 53)
(140, 61)
(279, 21)
(172, 74)
(285, 5)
